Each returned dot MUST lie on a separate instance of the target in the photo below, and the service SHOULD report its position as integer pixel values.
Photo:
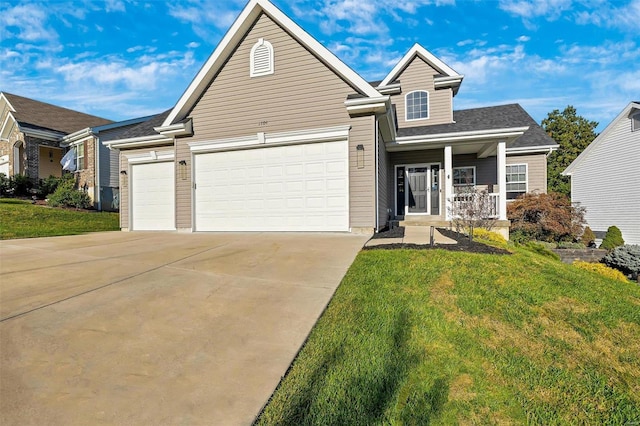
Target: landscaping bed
(463, 243)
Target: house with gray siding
(275, 133)
(604, 177)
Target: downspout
(377, 167)
(548, 153)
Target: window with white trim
(261, 58)
(516, 180)
(80, 156)
(464, 177)
(417, 105)
(635, 122)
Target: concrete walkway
(413, 235)
(157, 328)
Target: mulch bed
(463, 244)
(397, 232)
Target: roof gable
(625, 114)
(236, 34)
(41, 115)
(446, 72)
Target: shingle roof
(41, 115)
(146, 127)
(488, 118)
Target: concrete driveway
(157, 328)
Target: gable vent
(261, 58)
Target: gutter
(138, 142)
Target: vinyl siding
(607, 184)
(301, 94)
(384, 196)
(109, 171)
(418, 75)
(536, 170)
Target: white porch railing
(485, 204)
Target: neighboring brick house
(35, 136)
(31, 133)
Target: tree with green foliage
(573, 133)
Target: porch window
(417, 105)
(516, 180)
(80, 157)
(464, 177)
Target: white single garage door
(152, 196)
(301, 187)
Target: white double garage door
(303, 187)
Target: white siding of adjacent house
(607, 183)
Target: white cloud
(193, 45)
(626, 17)
(26, 22)
(523, 39)
(205, 14)
(527, 9)
(115, 6)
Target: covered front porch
(432, 179)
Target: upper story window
(635, 122)
(261, 58)
(417, 105)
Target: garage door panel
(153, 196)
(292, 188)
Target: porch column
(448, 181)
(502, 180)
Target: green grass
(21, 219)
(431, 336)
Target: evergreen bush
(612, 239)
(625, 258)
(588, 238)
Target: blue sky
(120, 59)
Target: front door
(418, 189)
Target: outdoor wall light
(360, 156)
(123, 172)
(182, 169)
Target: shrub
(541, 249)
(66, 195)
(588, 238)
(486, 235)
(625, 259)
(545, 217)
(7, 185)
(612, 239)
(601, 269)
(48, 186)
(568, 245)
(22, 185)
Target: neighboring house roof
(43, 116)
(489, 118)
(146, 128)
(232, 38)
(626, 113)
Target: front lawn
(421, 336)
(21, 219)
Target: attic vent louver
(261, 58)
